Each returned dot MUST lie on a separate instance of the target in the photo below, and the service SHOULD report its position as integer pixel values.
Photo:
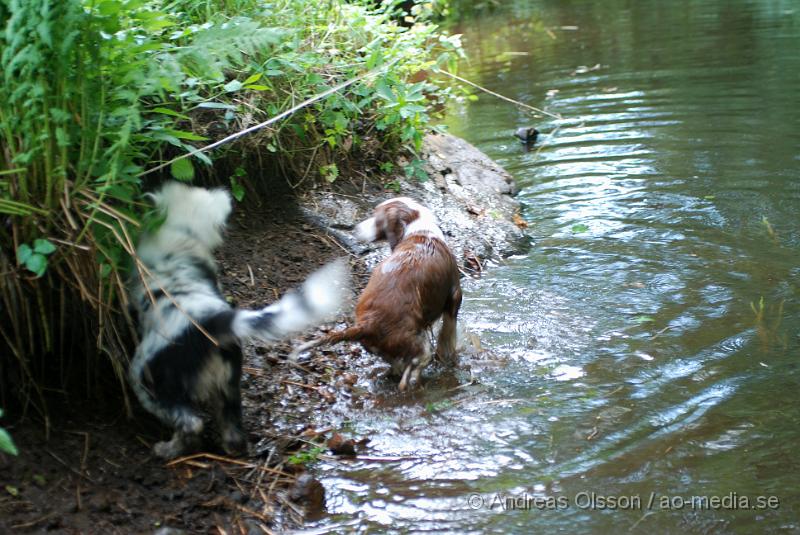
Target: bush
(94, 93)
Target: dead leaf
(341, 446)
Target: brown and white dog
(416, 285)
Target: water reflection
(627, 358)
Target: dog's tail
(316, 301)
(351, 333)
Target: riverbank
(96, 473)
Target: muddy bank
(96, 473)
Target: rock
(166, 530)
(471, 195)
(308, 491)
(341, 446)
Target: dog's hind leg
(421, 362)
(188, 427)
(413, 370)
(229, 408)
(447, 340)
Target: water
(646, 350)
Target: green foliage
(6, 444)
(416, 169)
(329, 172)
(94, 92)
(35, 258)
(307, 457)
(579, 228)
(236, 188)
(439, 406)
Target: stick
(501, 97)
(228, 460)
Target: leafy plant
(307, 457)
(6, 444)
(329, 172)
(35, 258)
(416, 169)
(236, 187)
(95, 94)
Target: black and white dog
(178, 370)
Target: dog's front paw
(168, 449)
(234, 442)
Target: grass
(97, 92)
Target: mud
(95, 473)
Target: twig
(498, 95)
(662, 331)
(34, 522)
(252, 278)
(275, 119)
(68, 467)
(372, 459)
(310, 387)
(222, 459)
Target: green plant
(306, 457)
(6, 444)
(416, 169)
(329, 172)
(439, 406)
(35, 258)
(96, 93)
(394, 186)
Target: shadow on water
(647, 347)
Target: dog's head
(199, 211)
(397, 218)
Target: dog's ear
(396, 217)
(394, 225)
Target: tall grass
(95, 92)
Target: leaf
(62, 138)
(329, 172)
(233, 85)
(182, 134)
(383, 90)
(109, 8)
(44, 247)
(236, 189)
(167, 111)
(253, 79)
(11, 489)
(643, 319)
(37, 263)
(182, 170)
(257, 87)
(24, 253)
(580, 227)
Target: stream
(643, 366)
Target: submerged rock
(308, 492)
